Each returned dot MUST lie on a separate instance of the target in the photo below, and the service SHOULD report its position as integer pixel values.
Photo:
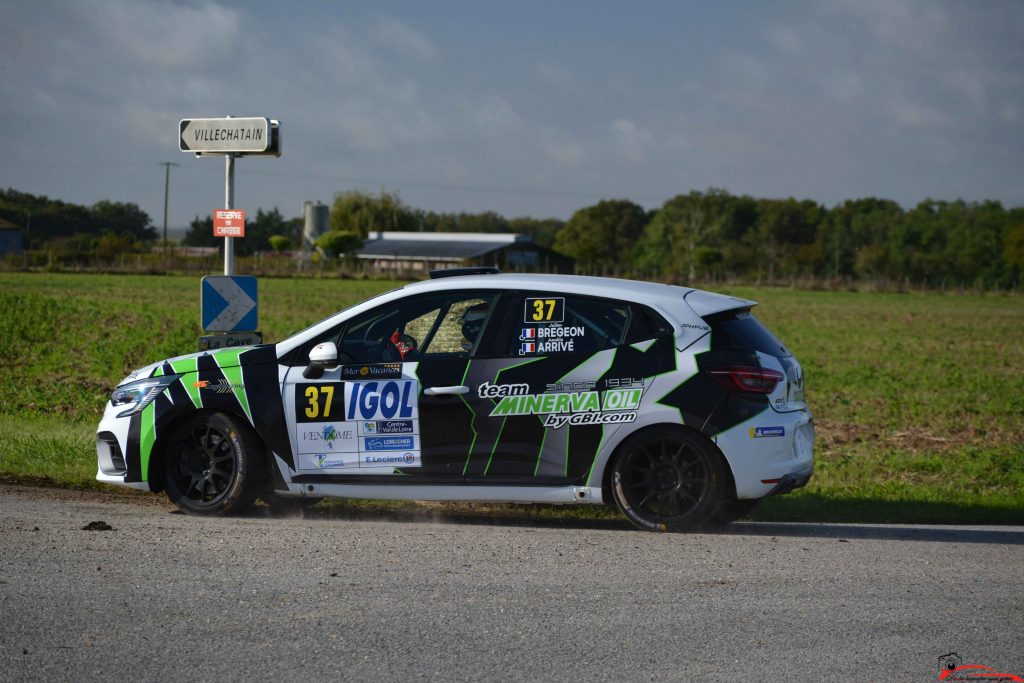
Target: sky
(526, 108)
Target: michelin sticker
(575, 408)
(764, 432)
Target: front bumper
(111, 449)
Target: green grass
(918, 398)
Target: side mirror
(321, 357)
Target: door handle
(446, 391)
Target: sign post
(229, 137)
(229, 202)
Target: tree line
(699, 236)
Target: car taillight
(754, 380)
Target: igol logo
(387, 400)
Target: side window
(553, 324)
(460, 328)
(437, 326)
(645, 324)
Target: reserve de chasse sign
(227, 135)
(229, 222)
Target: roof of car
(703, 303)
(667, 297)
(577, 284)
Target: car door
(396, 406)
(571, 371)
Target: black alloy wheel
(209, 465)
(668, 479)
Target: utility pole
(167, 190)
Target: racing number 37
(546, 310)
(318, 402)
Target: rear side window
(552, 324)
(741, 331)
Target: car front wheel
(668, 479)
(210, 465)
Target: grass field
(918, 398)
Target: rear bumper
(791, 481)
(770, 454)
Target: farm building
(420, 252)
(10, 238)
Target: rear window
(741, 331)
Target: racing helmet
(472, 321)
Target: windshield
(293, 335)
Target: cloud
(162, 34)
(633, 142)
(785, 39)
(493, 115)
(550, 73)
(403, 39)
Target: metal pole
(167, 190)
(229, 200)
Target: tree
(694, 231)
(200, 233)
(337, 242)
(259, 229)
(542, 230)
(122, 218)
(361, 213)
(603, 235)
(1013, 241)
(279, 243)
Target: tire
(668, 479)
(731, 510)
(288, 505)
(210, 465)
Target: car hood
(225, 358)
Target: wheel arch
(154, 475)
(616, 452)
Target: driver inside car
(403, 342)
(472, 321)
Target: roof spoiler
(708, 303)
(472, 270)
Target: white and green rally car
(475, 386)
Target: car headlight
(140, 393)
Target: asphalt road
(163, 596)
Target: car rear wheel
(210, 465)
(668, 479)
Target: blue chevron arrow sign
(229, 303)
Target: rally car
(675, 403)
